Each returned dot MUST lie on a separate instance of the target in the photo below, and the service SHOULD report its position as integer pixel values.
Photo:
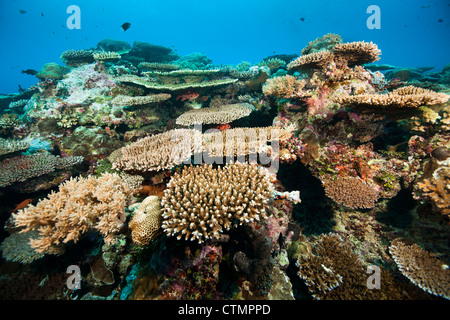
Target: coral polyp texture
(215, 115)
(421, 267)
(201, 202)
(81, 205)
(351, 192)
(406, 97)
(146, 222)
(157, 152)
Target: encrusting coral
(146, 222)
(81, 205)
(201, 202)
(421, 267)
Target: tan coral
(218, 115)
(202, 202)
(421, 267)
(146, 222)
(80, 205)
(407, 97)
(157, 152)
(285, 87)
(351, 192)
(358, 52)
(316, 60)
(123, 101)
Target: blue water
(413, 33)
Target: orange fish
(22, 205)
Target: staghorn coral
(24, 167)
(146, 222)
(406, 97)
(157, 152)
(285, 87)
(316, 60)
(81, 205)
(351, 192)
(219, 115)
(123, 101)
(355, 53)
(201, 202)
(421, 267)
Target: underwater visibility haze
(225, 150)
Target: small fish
(22, 205)
(42, 14)
(302, 19)
(126, 26)
(30, 72)
(22, 11)
(440, 20)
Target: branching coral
(157, 152)
(123, 101)
(421, 267)
(333, 272)
(24, 167)
(75, 58)
(11, 146)
(146, 222)
(219, 115)
(406, 97)
(316, 60)
(81, 205)
(437, 189)
(201, 202)
(106, 56)
(326, 42)
(351, 192)
(355, 53)
(285, 87)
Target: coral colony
(168, 177)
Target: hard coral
(351, 192)
(146, 222)
(202, 202)
(421, 267)
(80, 205)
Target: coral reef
(202, 202)
(146, 222)
(80, 205)
(421, 267)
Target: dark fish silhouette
(22, 11)
(302, 19)
(126, 26)
(440, 20)
(42, 14)
(30, 72)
